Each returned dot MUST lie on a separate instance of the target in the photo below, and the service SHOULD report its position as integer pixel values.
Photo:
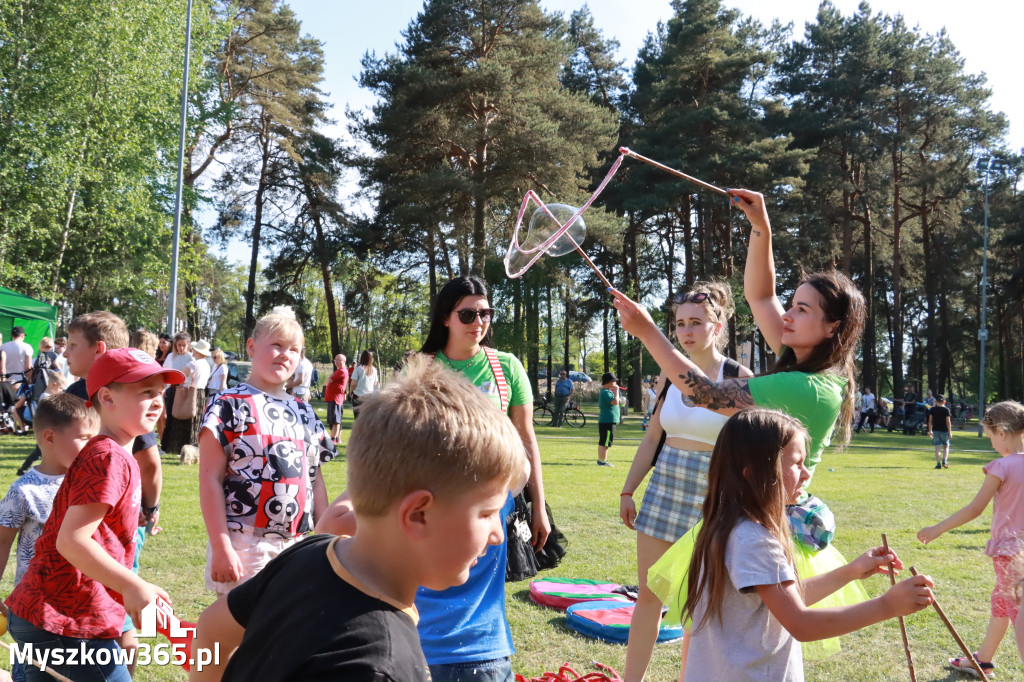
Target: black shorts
(334, 412)
(606, 434)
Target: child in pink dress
(1004, 481)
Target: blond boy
(260, 452)
(80, 585)
(430, 466)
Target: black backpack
(46, 361)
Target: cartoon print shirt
(274, 447)
(54, 595)
(26, 507)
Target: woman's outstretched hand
(633, 317)
(752, 205)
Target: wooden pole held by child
(903, 624)
(956, 636)
(42, 667)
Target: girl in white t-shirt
(364, 381)
(749, 614)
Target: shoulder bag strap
(731, 369)
(499, 376)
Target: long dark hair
(444, 303)
(744, 482)
(841, 302)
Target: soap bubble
(547, 220)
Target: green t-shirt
(478, 370)
(814, 399)
(609, 413)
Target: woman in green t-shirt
(815, 340)
(812, 381)
(464, 629)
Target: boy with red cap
(79, 584)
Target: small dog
(189, 455)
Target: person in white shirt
(219, 377)
(18, 356)
(300, 383)
(178, 432)
(201, 378)
(60, 344)
(365, 380)
(867, 410)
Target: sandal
(963, 665)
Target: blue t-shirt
(467, 623)
(563, 387)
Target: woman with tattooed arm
(814, 340)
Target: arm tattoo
(757, 233)
(731, 393)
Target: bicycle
(543, 414)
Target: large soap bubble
(549, 220)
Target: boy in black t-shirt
(940, 428)
(430, 465)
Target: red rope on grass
(563, 675)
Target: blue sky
(985, 31)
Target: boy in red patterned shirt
(80, 584)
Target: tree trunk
(63, 244)
(261, 191)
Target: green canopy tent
(38, 318)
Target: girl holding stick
(749, 609)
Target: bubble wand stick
(626, 151)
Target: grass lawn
(884, 483)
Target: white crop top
(682, 420)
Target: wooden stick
(39, 665)
(956, 635)
(589, 262)
(903, 624)
(679, 174)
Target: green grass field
(883, 483)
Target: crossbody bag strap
(499, 376)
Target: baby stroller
(916, 420)
(7, 402)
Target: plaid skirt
(674, 498)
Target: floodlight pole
(983, 330)
(176, 230)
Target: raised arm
(759, 272)
(725, 397)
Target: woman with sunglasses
(686, 434)
(464, 629)
(812, 381)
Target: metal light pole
(172, 305)
(990, 164)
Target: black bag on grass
(523, 561)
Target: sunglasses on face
(468, 316)
(691, 297)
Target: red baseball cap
(126, 366)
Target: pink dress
(1008, 508)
